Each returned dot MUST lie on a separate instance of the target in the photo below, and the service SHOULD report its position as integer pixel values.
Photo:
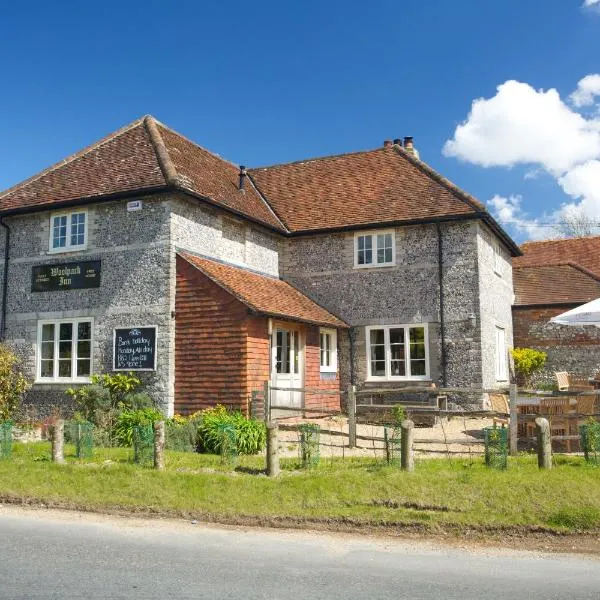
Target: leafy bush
(527, 362)
(181, 433)
(251, 435)
(128, 419)
(13, 384)
(102, 401)
(399, 414)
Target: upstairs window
(328, 347)
(397, 352)
(374, 249)
(68, 231)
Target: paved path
(55, 555)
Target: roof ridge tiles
(74, 156)
(162, 154)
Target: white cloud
(523, 126)
(591, 2)
(587, 89)
(508, 211)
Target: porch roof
(263, 294)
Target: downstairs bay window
(397, 352)
(64, 352)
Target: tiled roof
(584, 251)
(382, 185)
(387, 185)
(123, 161)
(142, 156)
(263, 294)
(554, 284)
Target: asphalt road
(69, 556)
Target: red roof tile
(263, 294)
(584, 251)
(376, 186)
(554, 284)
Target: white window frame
(55, 378)
(373, 235)
(497, 258)
(332, 367)
(388, 353)
(501, 354)
(68, 247)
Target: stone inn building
(147, 253)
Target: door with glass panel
(287, 367)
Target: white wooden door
(287, 367)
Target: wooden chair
(499, 403)
(579, 383)
(557, 410)
(562, 379)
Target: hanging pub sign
(66, 276)
(134, 349)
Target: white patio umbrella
(586, 314)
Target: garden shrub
(13, 384)
(527, 362)
(181, 433)
(251, 435)
(128, 419)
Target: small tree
(527, 362)
(13, 384)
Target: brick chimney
(409, 146)
(387, 143)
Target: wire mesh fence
(496, 447)
(228, 445)
(6, 439)
(81, 433)
(143, 444)
(309, 444)
(590, 442)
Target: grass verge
(441, 495)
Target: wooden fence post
(351, 407)
(544, 443)
(58, 441)
(159, 445)
(267, 401)
(272, 449)
(407, 461)
(514, 421)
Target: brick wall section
(210, 344)
(257, 352)
(573, 349)
(313, 376)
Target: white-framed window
(64, 350)
(497, 250)
(501, 357)
(397, 352)
(328, 350)
(68, 231)
(374, 249)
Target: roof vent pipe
(242, 178)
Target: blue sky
(269, 82)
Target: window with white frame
(64, 350)
(68, 231)
(397, 352)
(497, 258)
(374, 249)
(501, 358)
(328, 347)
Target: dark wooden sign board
(134, 349)
(66, 276)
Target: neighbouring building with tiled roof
(145, 252)
(552, 277)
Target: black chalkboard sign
(66, 276)
(134, 349)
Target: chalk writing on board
(135, 349)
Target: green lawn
(440, 494)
